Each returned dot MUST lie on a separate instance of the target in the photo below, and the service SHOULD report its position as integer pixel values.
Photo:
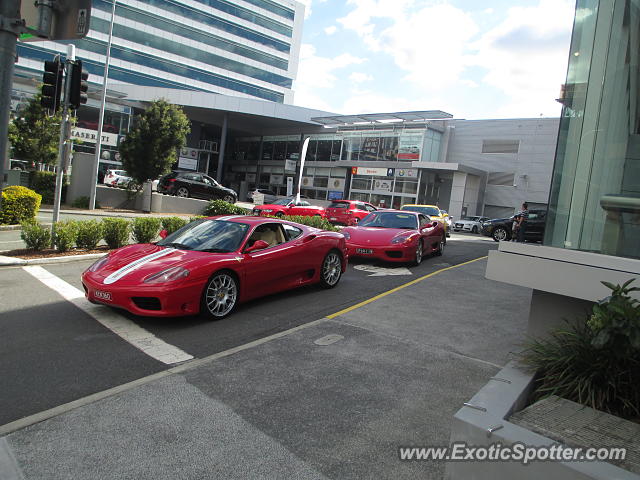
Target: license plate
(333, 218)
(100, 295)
(364, 250)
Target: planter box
(483, 421)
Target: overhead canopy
(383, 117)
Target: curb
(12, 261)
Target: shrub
(116, 231)
(89, 234)
(83, 202)
(171, 224)
(196, 217)
(44, 183)
(19, 204)
(220, 207)
(65, 234)
(316, 222)
(145, 229)
(35, 235)
(583, 364)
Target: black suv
(196, 185)
(500, 228)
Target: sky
(475, 59)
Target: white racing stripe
(118, 274)
(124, 328)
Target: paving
(334, 398)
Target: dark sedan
(500, 228)
(196, 185)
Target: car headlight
(168, 275)
(403, 238)
(98, 264)
(268, 210)
(346, 235)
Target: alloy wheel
(182, 192)
(500, 234)
(221, 295)
(331, 270)
(418, 259)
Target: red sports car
(348, 212)
(395, 236)
(212, 264)
(288, 206)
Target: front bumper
(389, 253)
(146, 300)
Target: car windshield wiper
(214, 250)
(180, 246)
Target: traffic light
(79, 85)
(52, 84)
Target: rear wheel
(331, 270)
(182, 192)
(220, 295)
(279, 214)
(229, 199)
(443, 242)
(500, 234)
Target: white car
(113, 178)
(269, 196)
(469, 224)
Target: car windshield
(430, 211)
(207, 236)
(282, 201)
(389, 220)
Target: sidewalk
(331, 399)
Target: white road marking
(123, 327)
(383, 271)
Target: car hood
(499, 220)
(373, 236)
(464, 222)
(130, 265)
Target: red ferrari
(213, 264)
(395, 236)
(288, 206)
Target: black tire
(331, 269)
(229, 199)
(419, 254)
(183, 192)
(440, 251)
(500, 234)
(279, 214)
(220, 295)
(474, 229)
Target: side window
(370, 208)
(268, 232)
(303, 204)
(361, 206)
(423, 221)
(291, 232)
(192, 177)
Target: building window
(501, 178)
(500, 146)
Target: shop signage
(407, 172)
(90, 136)
(290, 165)
(289, 186)
(334, 195)
(276, 179)
(408, 148)
(187, 152)
(188, 163)
(382, 185)
(374, 171)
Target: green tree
(34, 135)
(150, 147)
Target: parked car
(113, 178)
(212, 264)
(500, 228)
(288, 206)
(196, 185)
(348, 212)
(470, 224)
(433, 211)
(395, 236)
(269, 195)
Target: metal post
(223, 144)
(105, 76)
(64, 137)
(9, 15)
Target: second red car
(348, 212)
(289, 206)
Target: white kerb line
(124, 328)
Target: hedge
(220, 207)
(19, 204)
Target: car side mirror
(163, 234)
(258, 245)
(434, 224)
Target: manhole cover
(328, 339)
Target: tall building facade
(245, 48)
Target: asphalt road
(52, 352)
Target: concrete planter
(120, 198)
(483, 421)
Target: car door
(535, 225)
(211, 188)
(427, 233)
(280, 266)
(299, 208)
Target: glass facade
(595, 193)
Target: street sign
(69, 20)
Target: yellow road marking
(393, 290)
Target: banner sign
(90, 136)
(375, 171)
(382, 186)
(188, 163)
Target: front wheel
(182, 192)
(220, 295)
(419, 253)
(279, 215)
(500, 234)
(474, 229)
(331, 270)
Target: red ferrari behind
(213, 264)
(288, 206)
(395, 236)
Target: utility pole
(10, 23)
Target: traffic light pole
(65, 130)
(9, 22)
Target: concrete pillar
(457, 194)
(223, 144)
